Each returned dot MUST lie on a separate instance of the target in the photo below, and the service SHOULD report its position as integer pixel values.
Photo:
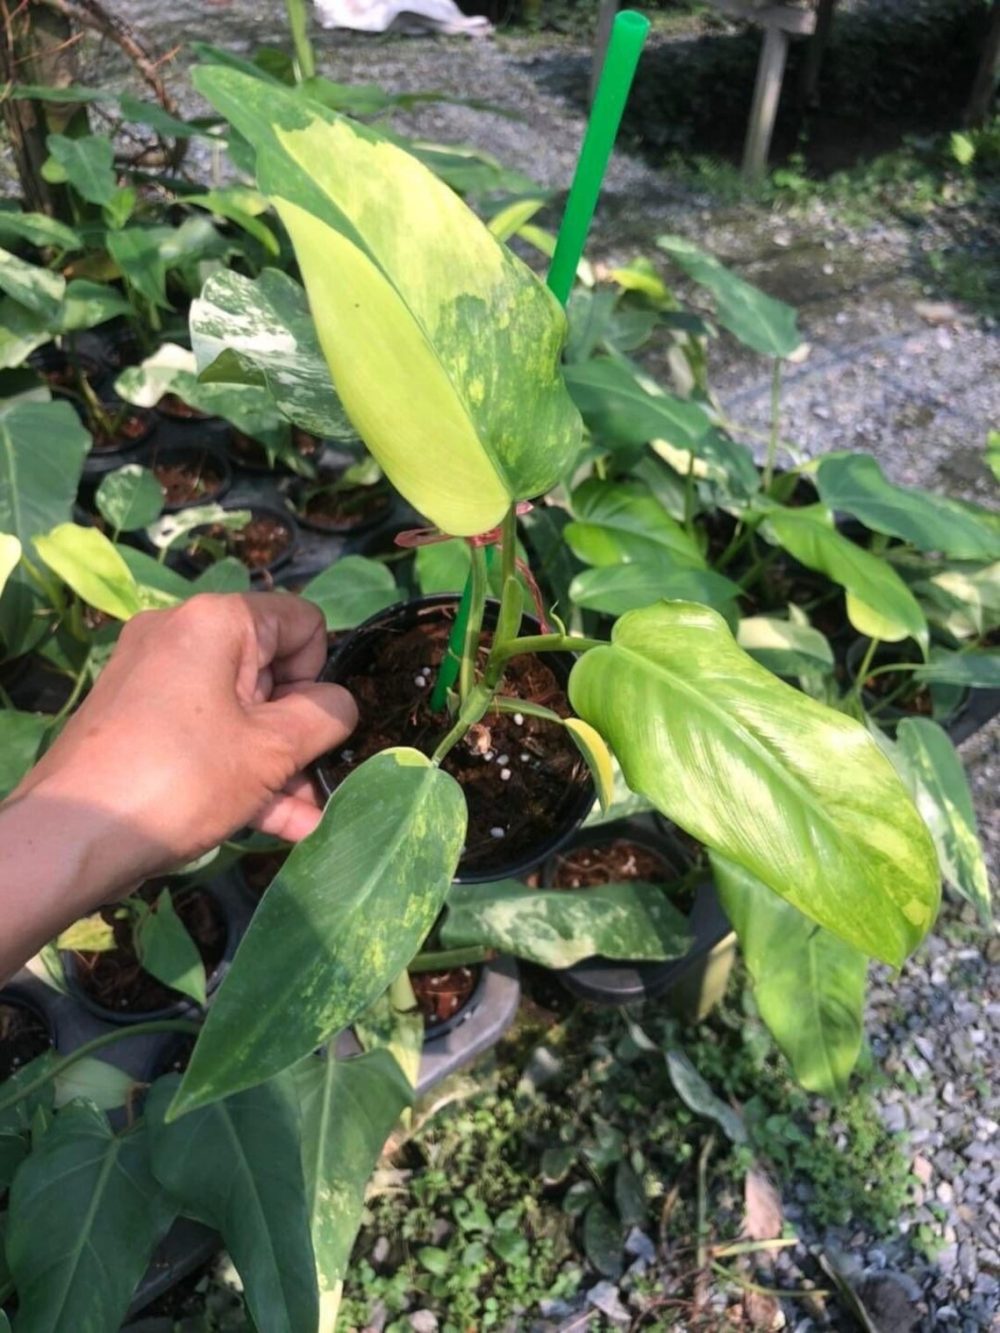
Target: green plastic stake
(628, 35)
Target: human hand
(201, 723)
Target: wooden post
(606, 13)
(770, 72)
(981, 97)
(815, 51)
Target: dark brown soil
(175, 407)
(114, 978)
(440, 995)
(128, 428)
(23, 1036)
(245, 449)
(508, 815)
(913, 697)
(188, 480)
(341, 511)
(259, 869)
(619, 862)
(263, 541)
(62, 371)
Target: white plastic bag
(413, 16)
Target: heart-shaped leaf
(87, 162)
(809, 985)
(855, 484)
(767, 326)
(794, 792)
(91, 565)
(352, 589)
(558, 928)
(129, 498)
(615, 404)
(879, 603)
(236, 1167)
(85, 1216)
(166, 950)
(623, 522)
(346, 913)
(616, 589)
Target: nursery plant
(500, 419)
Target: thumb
(310, 718)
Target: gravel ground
(879, 376)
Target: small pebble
(524, 757)
(518, 719)
(505, 775)
(419, 681)
(503, 759)
(496, 833)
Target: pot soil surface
(441, 995)
(187, 479)
(114, 978)
(251, 453)
(340, 511)
(23, 1036)
(520, 774)
(122, 431)
(619, 862)
(171, 405)
(263, 541)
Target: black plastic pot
(257, 511)
(949, 701)
(182, 1008)
(181, 453)
(16, 998)
(100, 461)
(258, 465)
(982, 707)
(351, 655)
(372, 520)
(611, 982)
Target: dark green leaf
(342, 919)
(88, 304)
(623, 522)
(236, 1167)
(762, 323)
(129, 498)
(88, 163)
(21, 736)
(630, 1197)
(698, 1097)
(796, 793)
(620, 588)
(602, 1239)
(85, 1216)
(613, 403)
(856, 485)
(225, 575)
(809, 985)
(136, 251)
(557, 929)
(980, 670)
(351, 590)
(168, 952)
(879, 603)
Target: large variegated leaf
(879, 603)
(809, 984)
(236, 1167)
(619, 522)
(559, 927)
(344, 916)
(259, 330)
(932, 770)
(92, 566)
(37, 289)
(85, 1216)
(795, 793)
(855, 484)
(348, 1110)
(963, 599)
(444, 348)
(762, 323)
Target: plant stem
(75, 693)
(474, 625)
(548, 643)
(57, 1067)
(305, 59)
(448, 958)
(772, 443)
(866, 661)
(472, 710)
(702, 1203)
(508, 547)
